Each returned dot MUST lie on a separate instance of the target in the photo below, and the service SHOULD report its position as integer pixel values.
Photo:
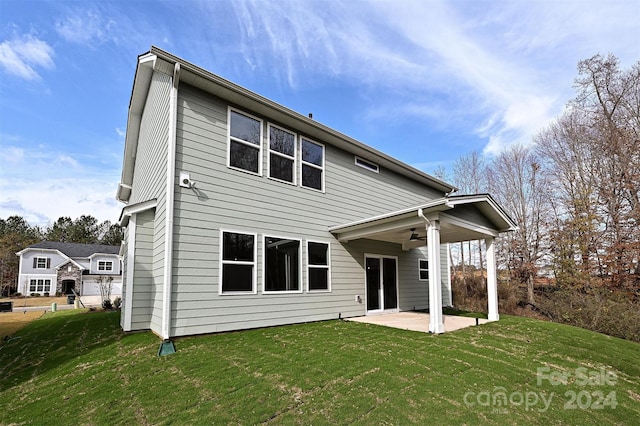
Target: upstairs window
(238, 263)
(312, 165)
(245, 142)
(282, 154)
(282, 265)
(318, 266)
(41, 263)
(423, 269)
(105, 265)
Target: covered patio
(418, 321)
(446, 220)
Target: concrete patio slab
(417, 321)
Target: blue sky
(424, 81)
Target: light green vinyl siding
(149, 179)
(144, 285)
(233, 200)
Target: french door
(382, 283)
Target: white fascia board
(496, 209)
(429, 206)
(141, 84)
(245, 98)
(68, 259)
(130, 210)
(41, 250)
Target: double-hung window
(41, 263)
(238, 271)
(281, 265)
(423, 269)
(312, 164)
(245, 142)
(282, 154)
(105, 265)
(318, 271)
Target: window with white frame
(282, 154)
(245, 142)
(281, 265)
(41, 262)
(105, 265)
(318, 271)
(423, 269)
(312, 164)
(238, 262)
(40, 286)
(367, 165)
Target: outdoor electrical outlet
(357, 298)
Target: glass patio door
(382, 283)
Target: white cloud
(86, 27)
(42, 186)
(501, 68)
(22, 55)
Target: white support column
(492, 280)
(436, 324)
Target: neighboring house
(241, 213)
(54, 267)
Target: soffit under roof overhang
(244, 98)
(461, 218)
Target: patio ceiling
(461, 218)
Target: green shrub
(17, 294)
(35, 295)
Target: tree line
(575, 191)
(16, 234)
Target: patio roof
(462, 218)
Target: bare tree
(519, 185)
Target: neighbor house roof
(74, 249)
(244, 98)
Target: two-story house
(62, 268)
(241, 213)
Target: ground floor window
(282, 265)
(423, 269)
(40, 286)
(238, 262)
(318, 266)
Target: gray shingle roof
(75, 249)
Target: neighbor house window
(282, 265)
(40, 286)
(245, 142)
(238, 263)
(312, 164)
(423, 269)
(105, 265)
(367, 165)
(41, 262)
(282, 154)
(318, 266)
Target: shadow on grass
(32, 351)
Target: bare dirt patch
(11, 322)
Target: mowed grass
(76, 367)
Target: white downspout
(169, 211)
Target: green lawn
(78, 368)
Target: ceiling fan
(416, 237)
